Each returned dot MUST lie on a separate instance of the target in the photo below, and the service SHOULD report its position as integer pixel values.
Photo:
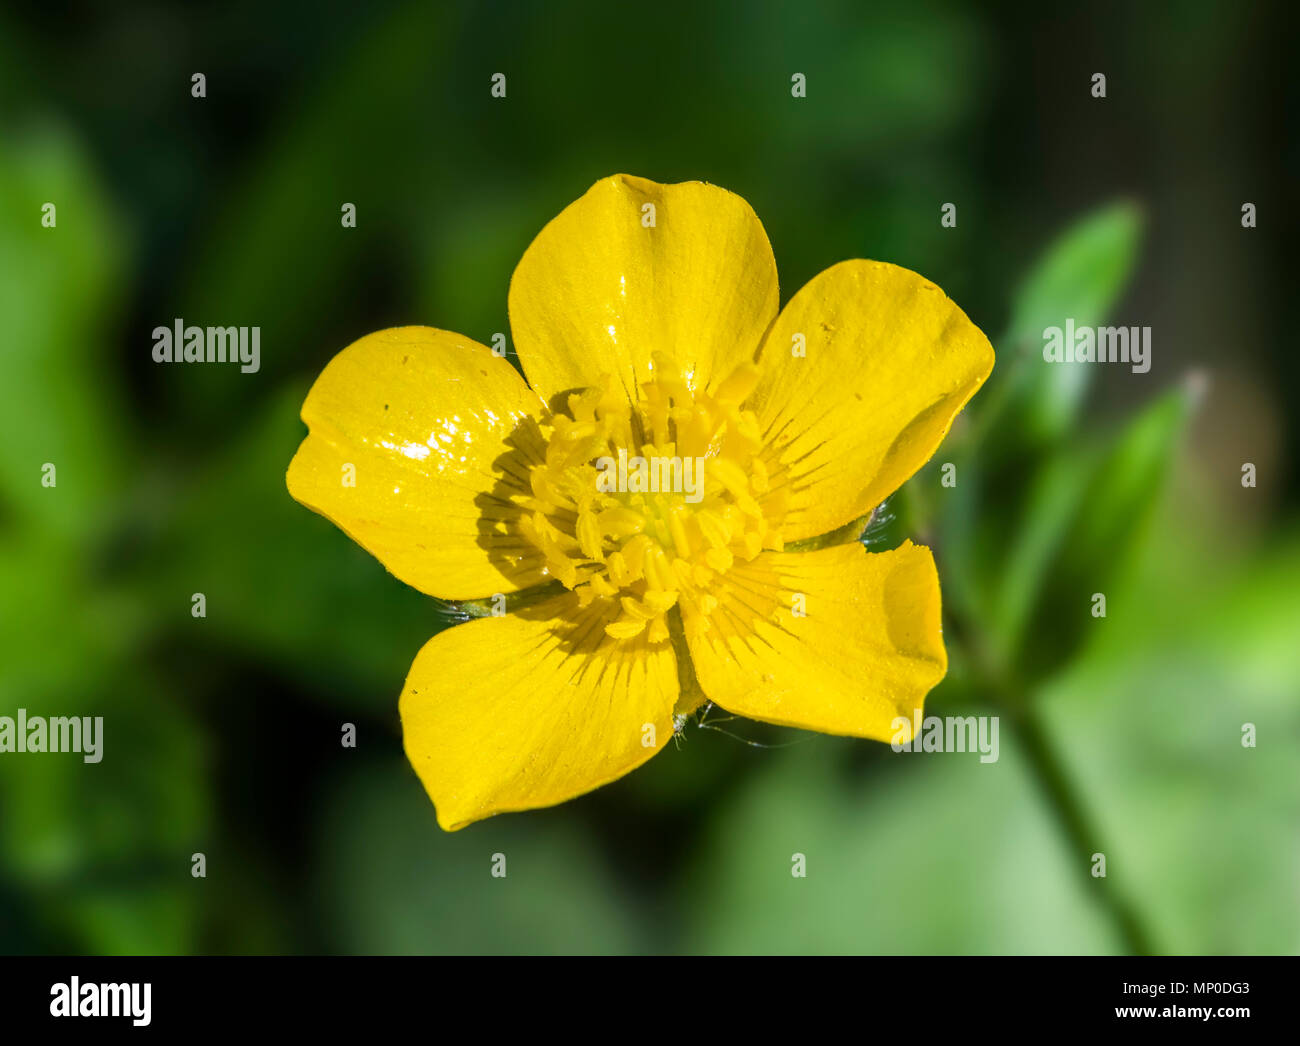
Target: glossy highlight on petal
(419, 439)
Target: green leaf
(58, 294)
(1080, 277)
(1020, 466)
(1086, 524)
(87, 847)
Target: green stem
(1079, 829)
(1072, 818)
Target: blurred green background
(1120, 736)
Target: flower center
(646, 504)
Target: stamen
(644, 506)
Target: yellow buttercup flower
(650, 497)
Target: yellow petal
(889, 362)
(531, 709)
(600, 292)
(435, 432)
(867, 649)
